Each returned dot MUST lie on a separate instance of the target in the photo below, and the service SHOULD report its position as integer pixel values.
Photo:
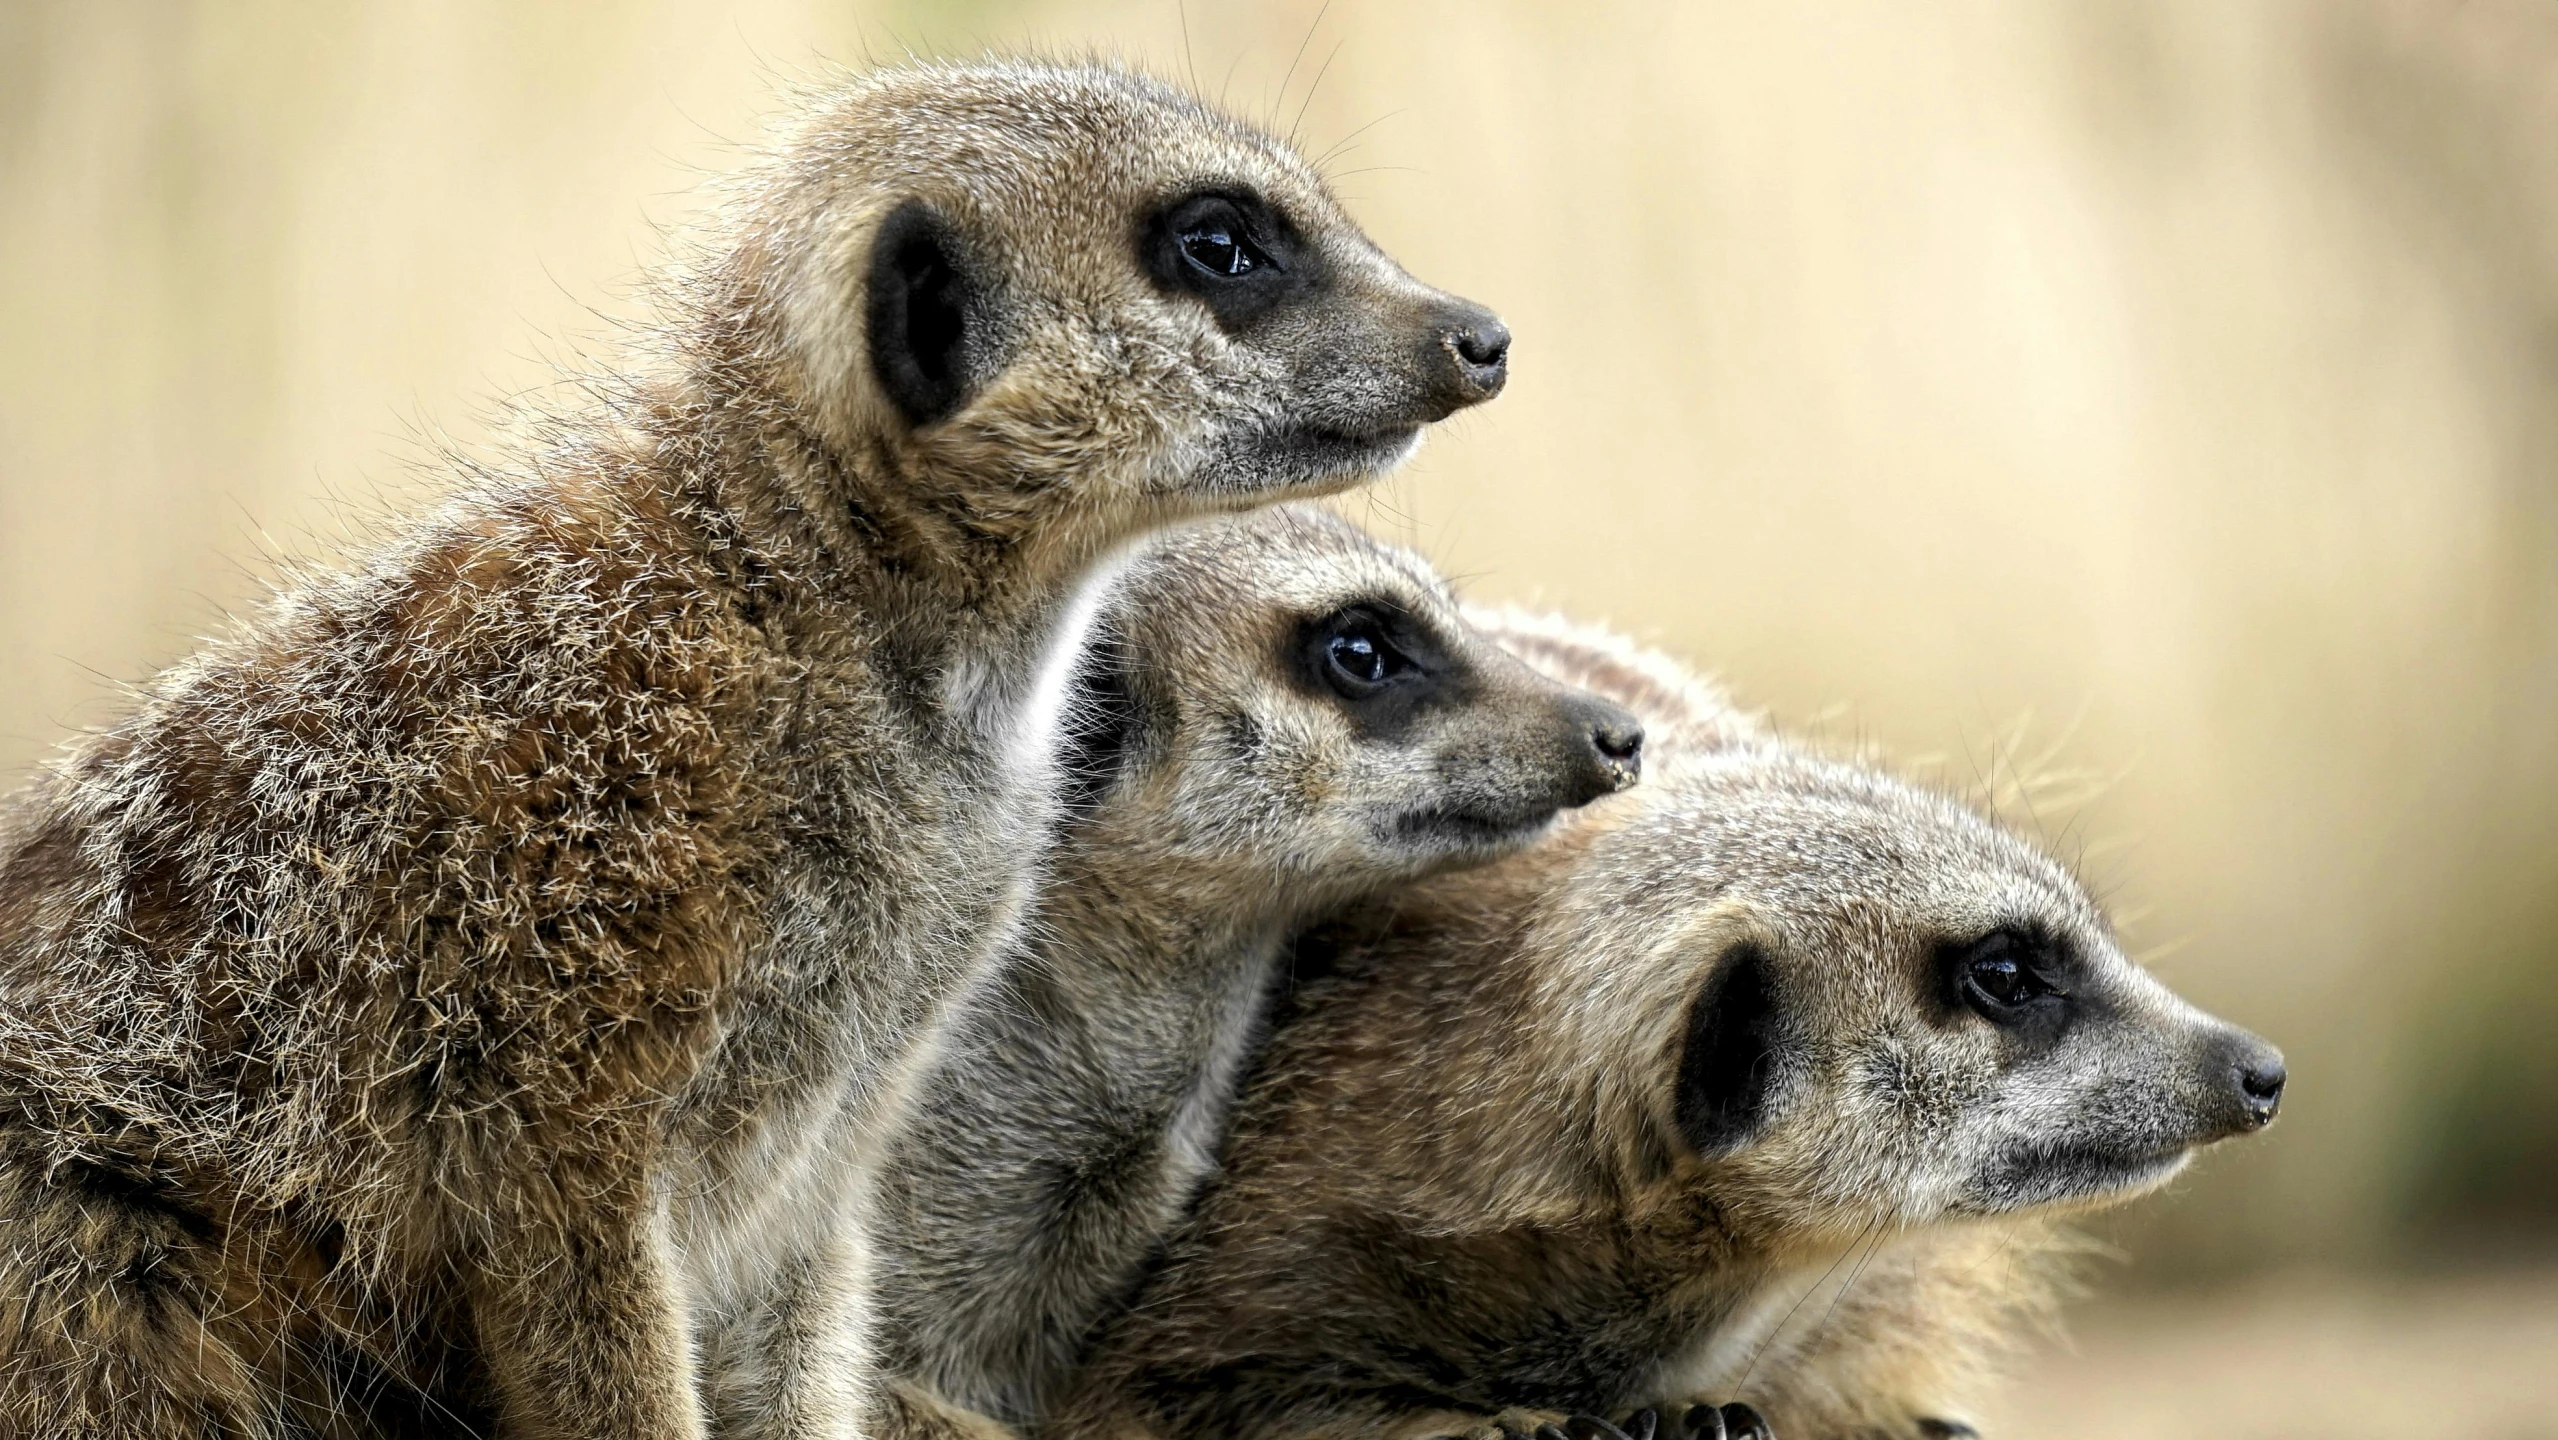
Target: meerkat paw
(1704, 1420)
(1513, 1425)
(1733, 1421)
(1520, 1424)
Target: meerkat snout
(1354, 355)
(1508, 748)
(1596, 747)
(2108, 1082)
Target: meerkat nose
(1477, 349)
(1620, 740)
(2245, 1077)
(1613, 757)
(1484, 347)
(2260, 1078)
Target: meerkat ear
(917, 313)
(1724, 1068)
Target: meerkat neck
(974, 614)
(1128, 908)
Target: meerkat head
(1019, 293)
(1880, 1009)
(1278, 695)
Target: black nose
(2260, 1079)
(1472, 355)
(1485, 349)
(2244, 1076)
(1621, 741)
(1610, 742)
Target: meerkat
(1929, 1312)
(1576, 1134)
(1277, 716)
(500, 960)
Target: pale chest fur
(1068, 1134)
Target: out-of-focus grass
(2176, 373)
(2307, 1357)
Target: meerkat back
(498, 962)
(1274, 716)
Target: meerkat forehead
(1079, 148)
(1809, 840)
(1285, 562)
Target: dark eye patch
(2011, 976)
(1383, 665)
(1229, 248)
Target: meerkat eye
(1228, 249)
(2002, 979)
(1215, 240)
(1357, 659)
(1362, 657)
(1220, 248)
(2002, 974)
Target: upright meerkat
(1577, 1132)
(499, 959)
(1279, 715)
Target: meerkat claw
(1702, 1422)
(1641, 1425)
(1935, 1429)
(1742, 1421)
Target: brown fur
(1675, 1106)
(493, 972)
(1922, 1321)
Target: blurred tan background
(2163, 393)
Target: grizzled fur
(1579, 1131)
(1918, 1321)
(493, 971)
(1230, 791)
